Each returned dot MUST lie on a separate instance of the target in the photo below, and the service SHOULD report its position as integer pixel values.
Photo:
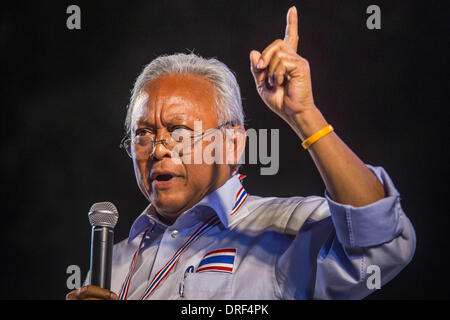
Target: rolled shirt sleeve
(344, 249)
(370, 225)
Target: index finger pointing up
(291, 34)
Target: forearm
(346, 178)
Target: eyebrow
(178, 117)
(143, 122)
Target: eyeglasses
(143, 144)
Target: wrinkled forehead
(175, 97)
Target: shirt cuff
(369, 225)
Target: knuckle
(84, 291)
(304, 62)
(89, 287)
(278, 41)
(69, 296)
(278, 54)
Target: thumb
(258, 75)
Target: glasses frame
(128, 139)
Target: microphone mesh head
(103, 214)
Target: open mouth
(163, 177)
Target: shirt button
(174, 233)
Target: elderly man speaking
(204, 237)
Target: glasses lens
(141, 147)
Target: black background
(64, 94)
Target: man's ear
(236, 139)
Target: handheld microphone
(103, 217)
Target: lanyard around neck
(161, 275)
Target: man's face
(166, 103)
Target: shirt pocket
(208, 285)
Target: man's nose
(161, 149)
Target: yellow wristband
(316, 136)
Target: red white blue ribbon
(241, 196)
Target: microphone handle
(102, 240)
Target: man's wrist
(308, 122)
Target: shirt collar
(224, 201)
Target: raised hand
(282, 76)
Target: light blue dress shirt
(232, 245)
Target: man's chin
(169, 206)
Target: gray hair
(228, 101)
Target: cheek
(201, 178)
(141, 171)
(197, 174)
